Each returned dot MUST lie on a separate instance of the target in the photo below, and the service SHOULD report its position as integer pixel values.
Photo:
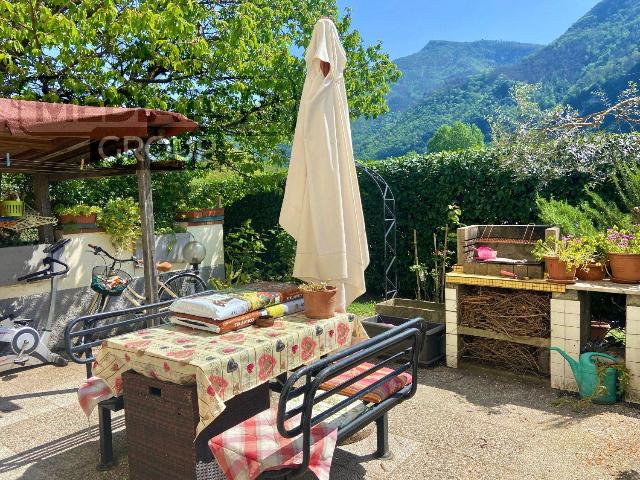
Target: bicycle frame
(100, 300)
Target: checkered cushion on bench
(255, 445)
(380, 393)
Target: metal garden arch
(389, 216)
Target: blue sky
(405, 26)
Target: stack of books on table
(237, 308)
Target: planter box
(433, 343)
(406, 308)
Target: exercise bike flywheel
(25, 340)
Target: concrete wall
(31, 300)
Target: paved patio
(460, 425)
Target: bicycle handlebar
(97, 250)
(46, 273)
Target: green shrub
(120, 218)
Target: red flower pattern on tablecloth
(308, 346)
(250, 367)
(217, 386)
(343, 333)
(294, 349)
(182, 354)
(127, 358)
(266, 363)
(137, 344)
(117, 388)
(166, 367)
(233, 337)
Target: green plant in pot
(563, 257)
(623, 247)
(593, 271)
(319, 300)
(79, 215)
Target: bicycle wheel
(181, 285)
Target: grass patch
(364, 307)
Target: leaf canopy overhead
(234, 66)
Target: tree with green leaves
(235, 66)
(458, 136)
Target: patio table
(222, 366)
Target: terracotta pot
(77, 219)
(599, 330)
(202, 213)
(320, 304)
(625, 267)
(594, 272)
(557, 271)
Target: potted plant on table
(319, 300)
(593, 271)
(623, 247)
(563, 257)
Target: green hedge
(424, 186)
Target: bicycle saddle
(164, 266)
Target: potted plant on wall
(623, 247)
(78, 216)
(563, 257)
(319, 300)
(200, 212)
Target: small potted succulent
(319, 300)
(623, 247)
(563, 257)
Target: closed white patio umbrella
(322, 208)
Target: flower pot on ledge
(557, 270)
(594, 272)
(625, 267)
(205, 216)
(77, 219)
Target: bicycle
(108, 281)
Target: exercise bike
(21, 345)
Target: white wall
(81, 260)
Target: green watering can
(586, 375)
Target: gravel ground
(460, 425)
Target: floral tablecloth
(221, 366)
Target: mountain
(442, 62)
(601, 51)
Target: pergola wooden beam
(60, 142)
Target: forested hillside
(601, 51)
(442, 62)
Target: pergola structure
(52, 141)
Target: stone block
(451, 293)
(572, 319)
(557, 305)
(558, 331)
(572, 333)
(572, 347)
(451, 305)
(557, 318)
(571, 306)
(451, 317)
